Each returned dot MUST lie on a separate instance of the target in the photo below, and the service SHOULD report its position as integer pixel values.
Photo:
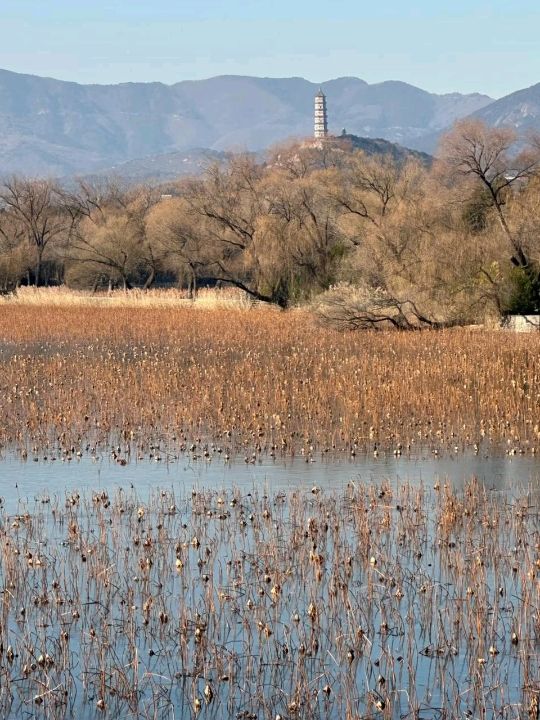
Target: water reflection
(24, 480)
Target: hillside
(160, 168)
(167, 167)
(520, 110)
(379, 146)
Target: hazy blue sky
(440, 45)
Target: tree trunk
(37, 270)
(520, 257)
(126, 285)
(150, 279)
(281, 295)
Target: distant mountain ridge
(56, 128)
(519, 110)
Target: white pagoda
(321, 118)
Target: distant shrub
(348, 307)
(524, 292)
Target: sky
(439, 45)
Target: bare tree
(300, 159)
(483, 154)
(367, 187)
(14, 256)
(314, 239)
(110, 235)
(359, 308)
(228, 204)
(36, 208)
(229, 197)
(179, 238)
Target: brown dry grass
(207, 298)
(257, 382)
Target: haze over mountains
(520, 110)
(56, 128)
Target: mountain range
(57, 128)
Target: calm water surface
(25, 480)
(88, 550)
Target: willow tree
(37, 211)
(180, 239)
(230, 207)
(110, 241)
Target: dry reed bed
(378, 602)
(206, 298)
(255, 382)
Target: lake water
(93, 583)
(25, 480)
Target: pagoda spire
(320, 118)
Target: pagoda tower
(321, 118)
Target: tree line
(369, 239)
